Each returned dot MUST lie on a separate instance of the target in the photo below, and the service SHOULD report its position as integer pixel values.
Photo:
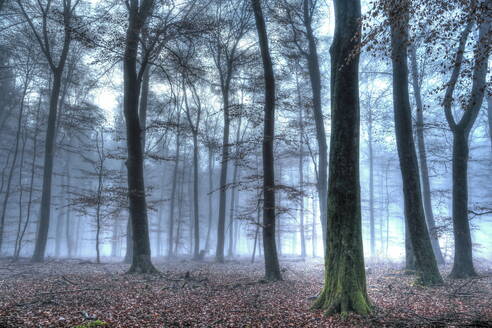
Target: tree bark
(315, 79)
(425, 260)
(141, 261)
(345, 284)
(463, 257)
(424, 170)
(489, 116)
(272, 268)
(219, 253)
(371, 186)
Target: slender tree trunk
(170, 231)
(345, 283)
(59, 219)
(44, 220)
(180, 197)
(196, 186)
(425, 261)
(14, 161)
(219, 253)
(68, 233)
(424, 170)
(314, 239)
(31, 184)
(21, 193)
(371, 186)
(315, 78)
(230, 252)
(210, 195)
(98, 212)
(489, 115)
(272, 268)
(301, 169)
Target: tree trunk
(219, 253)
(141, 261)
(315, 78)
(272, 268)
(170, 231)
(210, 190)
(230, 252)
(44, 220)
(424, 171)
(425, 261)
(68, 233)
(345, 283)
(489, 116)
(301, 190)
(371, 186)
(196, 214)
(31, 183)
(463, 258)
(14, 160)
(21, 191)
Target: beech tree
(425, 261)
(345, 281)
(56, 62)
(480, 14)
(272, 268)
(138, 13)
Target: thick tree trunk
(141, 261)
(424, 171)
(463, 258)
(345, 283)
(272, 268)
(414, 212)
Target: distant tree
(232, 21)
(56, 61)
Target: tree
(194, 126)
(463, 258)
(232, 22)
(57, 65)
(272, 268)
(425, 260)
(345, 284)
(424, 170)
(138, 14)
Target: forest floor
(78, 293)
